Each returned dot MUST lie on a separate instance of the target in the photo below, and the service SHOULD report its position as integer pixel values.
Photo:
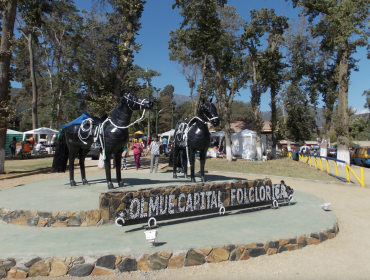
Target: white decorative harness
(99, 130)
(186, 132)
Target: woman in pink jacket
(137, 147)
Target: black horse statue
(111, 133)
(194, 136)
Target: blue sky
(159, 19)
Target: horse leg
(72, 155)
(118, 157)
(202, 158)
(175, 154)
(107, 171)
(83, 154)
(192, 163)
(185, 163)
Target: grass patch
(279, 167)
(32, 164)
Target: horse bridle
(210, 119)
(128, 100)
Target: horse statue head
(132, 101)
(208, 113)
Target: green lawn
(30, 164)
(279, 167)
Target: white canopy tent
(168, 134)
(42, 130)
(244, 144)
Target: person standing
(124, 158)
(137, 148)
(164, 142)
(154, 148)
(12, 146)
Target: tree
(357, 128)
(367, 94)
(300, 90)
(241, 111)
(197, 37)
(183, 112)
(342, 28)
(271, 64)
(168, 91)
(229, 68)
(54, 77)
(8, 10)
(165, 118)
(262, 22)
(31, 12)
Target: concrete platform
(306, 216)
(57, 195)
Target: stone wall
(50, 219)
(115, 264)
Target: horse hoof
(185, 176)
(174, 175)
(85, 182)
(110, 186)
(121, 184)
(203, 179)
(73, 183)
(193, 180)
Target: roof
(11, 131)
(310, 142)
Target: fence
(318, 162)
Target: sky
(159, 19)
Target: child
(155, 151)
(124, 163)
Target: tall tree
(200, 32)
(342, 28)
(8, 10)
(300, 91)
(261, 23)
(271, 63)
(30, 11)
(166, 118)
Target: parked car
(315, 151)
(361, 156)
(304, 150)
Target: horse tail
(61, 155)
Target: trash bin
(294, 156)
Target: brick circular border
(112, 264)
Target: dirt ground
(344, 257)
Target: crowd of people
(154, 146)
